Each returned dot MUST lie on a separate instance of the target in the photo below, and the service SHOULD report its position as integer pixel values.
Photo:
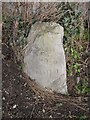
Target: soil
(21, 98)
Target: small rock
(43, 111)
(14, 106)
(20, 76)
(59, 113)
(26, 107)
(28, 98)
(39, 96)
(50, 116)
(25, 84)
(3, 98)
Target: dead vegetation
(22, 97)
(17, 21)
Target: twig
(79, 106)
(33, 109)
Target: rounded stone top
(47, 27)
(41, 28)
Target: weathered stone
(44, 59)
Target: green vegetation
(16, 27)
